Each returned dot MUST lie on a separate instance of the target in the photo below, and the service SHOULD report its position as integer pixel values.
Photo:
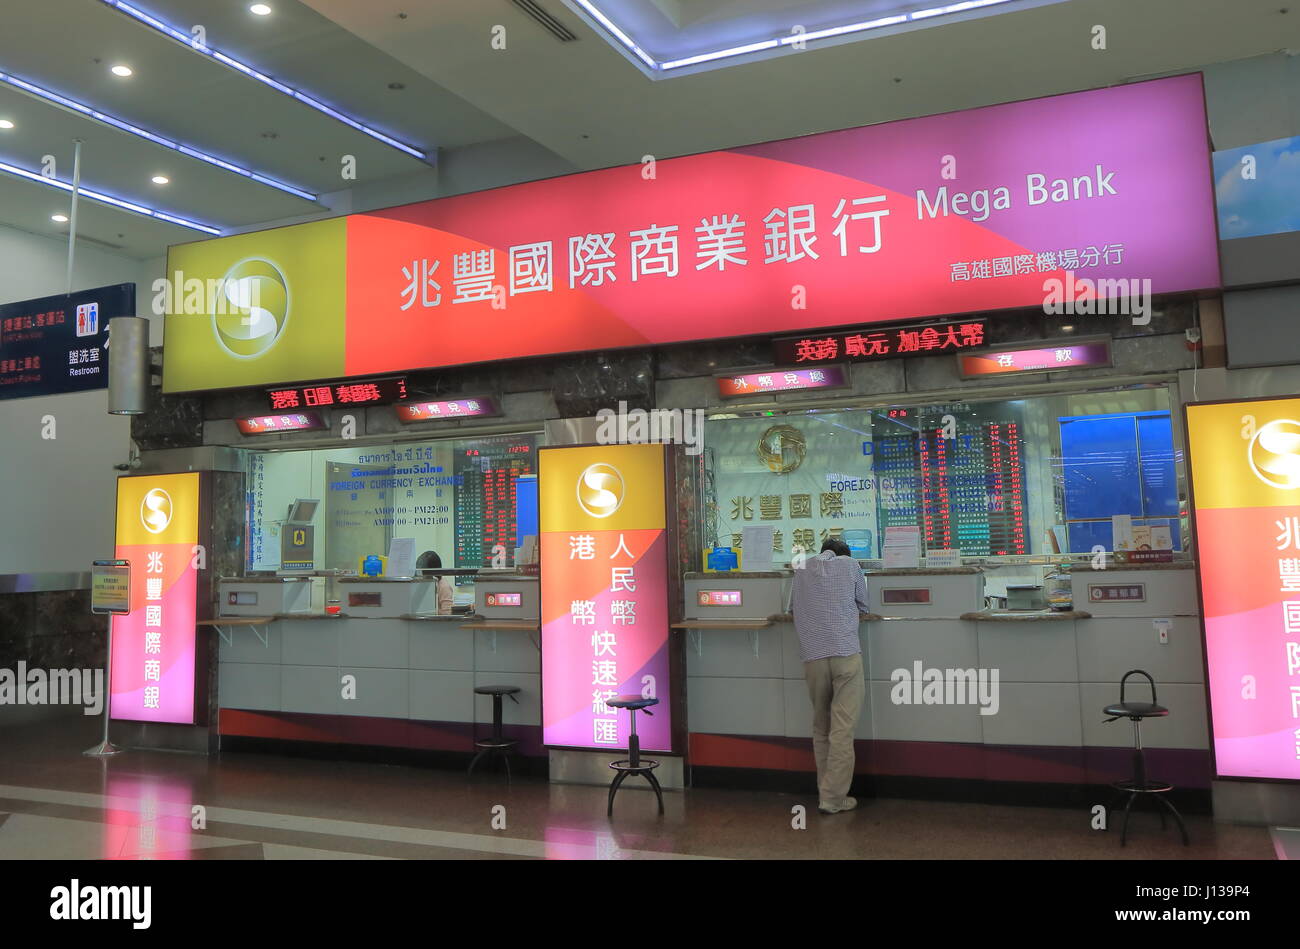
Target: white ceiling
(581, 100)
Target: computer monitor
(302, 511)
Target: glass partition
(457, 497)
(1042, 475)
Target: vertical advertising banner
(604, 553)
(1245, 463)
(153, 645)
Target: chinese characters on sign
(888, 343)
(785, 380)
(153, 657)
(478, 407)
(1246, 504)
(59, 344)
(1047, 261)
(362, 392)
(592, 259)
(1092, 354)
(264, 424)
(604, 593)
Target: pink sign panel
(954, 213)
(782, 380)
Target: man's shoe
(849, 804)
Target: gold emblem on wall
(782, 448)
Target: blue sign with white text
(59, 344)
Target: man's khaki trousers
(836, 687)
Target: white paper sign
(756, 545)
(401, 557)
(943, 558)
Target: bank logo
(156, 511)
(782, 448)
(256, 311)
(600, 489)
(1274, 454)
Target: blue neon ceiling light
(181, 36)
(108, 199)
(81, 109)
(785, 39)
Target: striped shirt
(828, 594)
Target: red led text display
(365, 392)
(867, 344)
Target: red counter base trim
(1185, 768)
(381, 732)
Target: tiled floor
(55, 803)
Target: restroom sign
(88, 319)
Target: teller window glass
(457, 497)
(992, 479)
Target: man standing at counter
(828, 594)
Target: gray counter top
(1024, 616)
(264, 579)
(789, 617)
(1113, 564)
(737, 575)
(923, 571)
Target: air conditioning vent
(548, 22)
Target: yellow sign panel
(1245, 454)
(256, 308)
(602, 488)
(158, 509)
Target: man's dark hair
(838, 547)
(429, 560)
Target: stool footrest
(1143, 787)
(490, 743)
(641, 767)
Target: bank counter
(750, 721)
(385, 670)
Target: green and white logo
(256, 311)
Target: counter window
(456, 497)
(989, 478)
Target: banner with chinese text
(154, 645)
(1245, 463)
(956, 213)
(604, 557)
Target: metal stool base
(624, 767)
(1157, 790)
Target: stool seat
(631, 701)
(1135, 710)
(496, 689)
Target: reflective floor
(55, 803)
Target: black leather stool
(1139, 784)
(634, 763)
(497, 744)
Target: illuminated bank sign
(604, 560)
(1245, 462)
(955, 213)
(154, 645)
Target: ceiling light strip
(107, 199)
(81, 109)
(188, 40)
(782, 40)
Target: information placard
(110, 586)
